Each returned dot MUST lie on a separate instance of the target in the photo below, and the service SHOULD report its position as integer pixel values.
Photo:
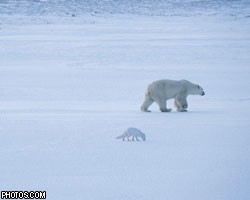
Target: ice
(70, 85)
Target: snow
(70, 85)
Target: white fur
(162, 90)
(134, 132)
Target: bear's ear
(198, 87)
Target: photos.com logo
(23, 194)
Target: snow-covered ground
(70, 85)
(75, 8)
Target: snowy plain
(70, 84)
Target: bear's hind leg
(147, 102)
(163, 106)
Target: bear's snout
(203, 93)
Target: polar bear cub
(162, 90)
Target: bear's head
(196, 90)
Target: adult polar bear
(162, 90)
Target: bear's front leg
(181, 104)
(182, 110)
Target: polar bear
(162, 90)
